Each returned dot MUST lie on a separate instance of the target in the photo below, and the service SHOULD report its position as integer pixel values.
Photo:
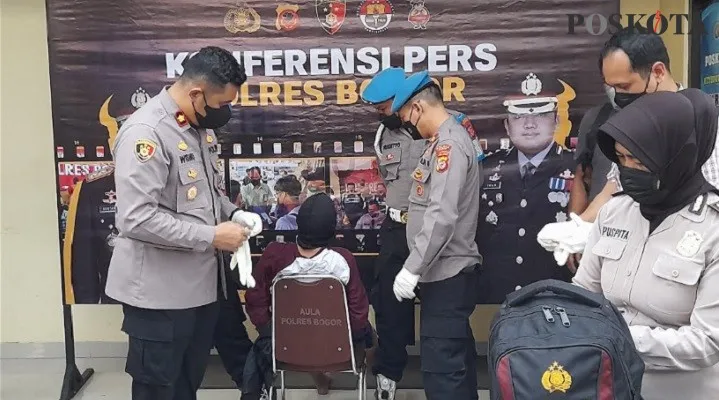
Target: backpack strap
(601, 118)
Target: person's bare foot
(322, 382)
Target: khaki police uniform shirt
(169, 199)
(257, 196)
(444, 206)
(666, 284)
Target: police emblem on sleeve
(242, 19)
(556, 379)
(442, 153)
(145, 149)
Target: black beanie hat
(316, 222)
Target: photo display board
(300, 114)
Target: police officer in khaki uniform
(397, 156)
(654, 249)
(166, 262)
(442, 222)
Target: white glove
(250, 220)
(551, 234)
(242, 258)
(404, 284)
(574, 241)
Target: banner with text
(301, 115)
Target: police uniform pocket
(610, 250)
(420, 186)
(191, 190)
(151, 351)
(674, 287)
(389, 163)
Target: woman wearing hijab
(654, 249)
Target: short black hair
(214, 65)
(259, 171)
(235, 187)
(289, 185)
(430, 93)
(641, 46)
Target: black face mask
(642, 186)
(214, 117)
(391, 122)
(624, 99)
(412, 128)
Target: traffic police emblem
(287, 17)
(331, 14)
(242, 19)
(376, 15)
(419, 14)
(144, 149)
(556, 379)
(139, 98)
(690, 244)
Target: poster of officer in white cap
(526, 185)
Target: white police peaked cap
(532, 100)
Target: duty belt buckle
(403, 217)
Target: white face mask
(610, 95)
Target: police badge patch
(419, 14)
(442, 153)
(144, 149)
(287, 17)
(331, 14)
(376, 15)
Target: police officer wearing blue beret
(441, 227)
(398, 154)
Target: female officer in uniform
(654, 249)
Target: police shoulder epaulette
(107, 171)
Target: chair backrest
(310, 325)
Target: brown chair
(311, 330)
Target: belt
(397, 215)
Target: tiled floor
(41, 380)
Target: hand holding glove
(573, 241)
(242, 258)
(551, 234)
(404, 284)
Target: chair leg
(362, 384)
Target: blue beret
(409, 87)
(383, 86)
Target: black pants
(448, 354)
(168, 350)
(231, 340)
(394, 319)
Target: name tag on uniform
(492, 186)
(187, 158)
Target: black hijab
(673, 135)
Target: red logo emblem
(287, 17)
(418, 15)
(376, 15)
(331, 14)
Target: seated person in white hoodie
(316, 221)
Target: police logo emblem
(376, 15)
(420, 190)
(287, 17)
(418, 15)
(191, 193)
(145, 149)
(331, 14)
(556, 379)
(110, 197)
(182, 145)
(418, 175)
(690, 244)
(210, 139)
(242, 19)
(192, 174)
(139, 98)
(531, 85)
(567, 174)
(495, 177)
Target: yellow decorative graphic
(564, 125)
(108, 121)
(210, 139)
(242, 19)
(556, 379)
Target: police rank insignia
(145, 149)
(418, 175)
(242, 19)
(442, 153)
(690, 244)
(182, 145)
(191, 193)
(192, 173)
(556, 379)
(181, 118)
(419, 14)
(331, 14)
(210, 139)
(287, 17)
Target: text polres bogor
(350, 61)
